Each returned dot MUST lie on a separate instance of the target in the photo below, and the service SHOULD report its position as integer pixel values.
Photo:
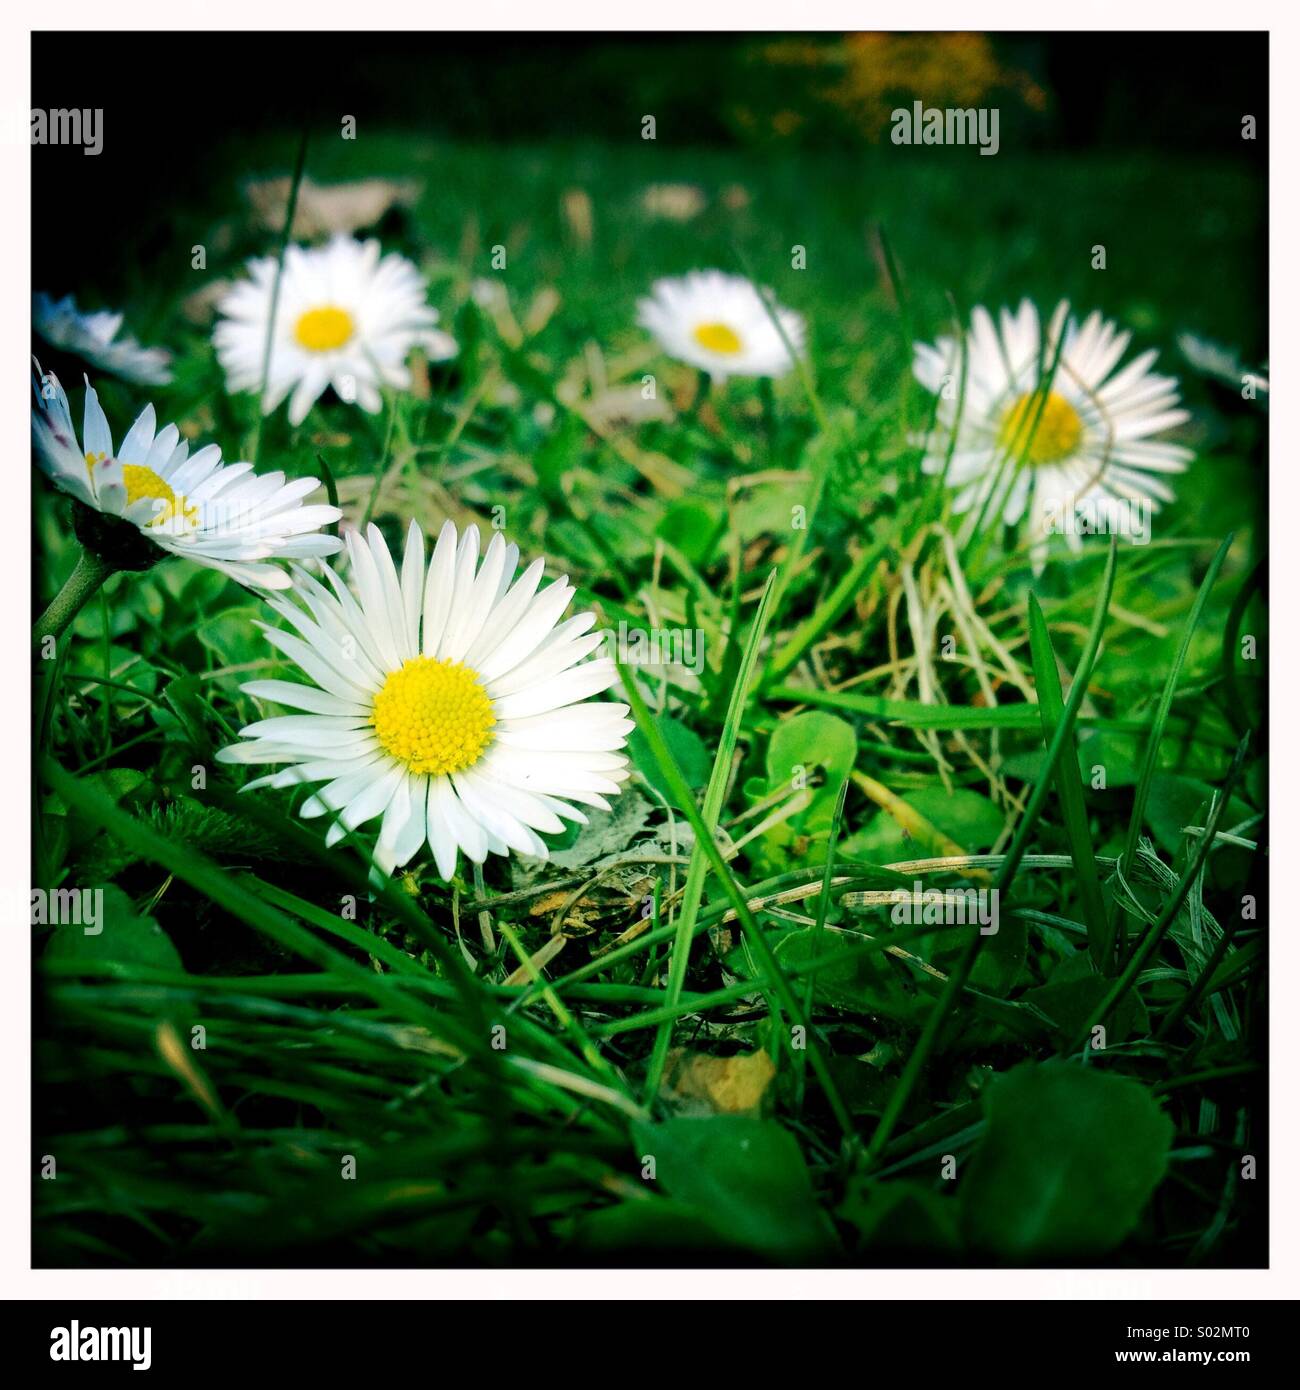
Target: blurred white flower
(1223, 364)
(346, 318)
(437, 345)
(719, 324)
(93, 338)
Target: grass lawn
(646, 1049)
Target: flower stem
(86, 578)
(286, 233)
(768, 397)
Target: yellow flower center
(1056, 437)
(717, 337)
(324, 329)
(142, 483)
(434, 716)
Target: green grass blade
(819, 455)
(753, 932)
(1152, 937)
(712, 810)
(827, 613)
(823, 907)
(1020, 842)
(286, 234)
(915, 714)
(225, 889)
(1101, 929)
(1149, 760)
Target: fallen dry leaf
(578, 214)
(326, 208)
(678, 202)
(200, 306)
(696, 1083)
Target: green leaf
(122, 785)
(1071, 997)
(766, 508)
(1116, 753)
(233, 638)
(1177, 802)
(869, 984)
(123, 935)
(687, 748)
(1069, 1159)
(559, 452)
(195, 586)
(690, 527)
(745, 1177)
(182, 697)
(1001, 960)
(808, 741)
(964, 816)
(901, 1220)
(657, 1227)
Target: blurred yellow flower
(864, 77)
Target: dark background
(177, 106)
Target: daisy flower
(1086, 448)
(1225, 366)
(448, 699)
(719, 324)
(346, 318)
(93, 338)
(160, 495)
